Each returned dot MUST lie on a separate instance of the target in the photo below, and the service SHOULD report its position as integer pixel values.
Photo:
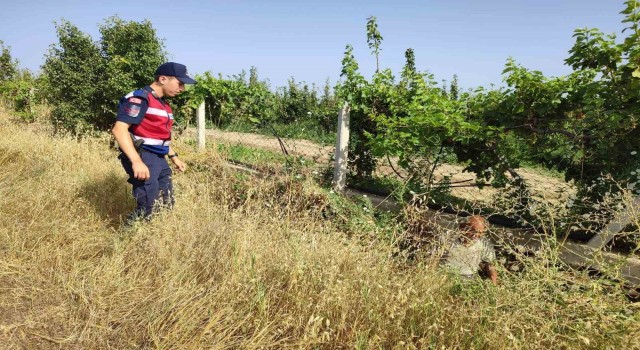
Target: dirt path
(545, 188)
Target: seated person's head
(474, 228)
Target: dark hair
(157, 77)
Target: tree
(75, 71)
(17, 86)
(409, 70)
(86, 78)
(253, 76)
(453, 89)
(8, 66)
(584, 124)
(374, 39)
(132, 52)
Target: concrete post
(619, 221)
(200, 120)
(342, 150)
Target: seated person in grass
(472, 253)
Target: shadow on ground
(110, 196)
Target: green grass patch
(304, 129)
(540, 169)
(251, 155)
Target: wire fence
(264, 147)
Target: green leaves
(22, 92)
(74, 68)
(374, 39)
(87, 77)
(582, 124)
(8, 66)
(132, 52)
(242, 100)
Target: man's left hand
(179, 164)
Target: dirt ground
(547, 189)
(307, 149)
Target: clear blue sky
(306, 39)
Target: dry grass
(245, 263)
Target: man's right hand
(140, 171)
(121, 132)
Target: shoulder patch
(132, 111)
(135, 100)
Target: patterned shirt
(466, 259)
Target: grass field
(252, 263)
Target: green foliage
(22, 93)
(327, 110)
(374, 39)
(583, 124)
(355, 90)
(17, 87)
(73, 67)
(86, 78)
(454, 92)
(8, 66)
(238, 104)
(417, 122)
(410, 119)
(409, 69)
(251, 155)
(228, 101)
(297, 102)
(305, 129)
(132, 52)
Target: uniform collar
(152, 92)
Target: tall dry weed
(246, 263)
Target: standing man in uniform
(143, 131)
